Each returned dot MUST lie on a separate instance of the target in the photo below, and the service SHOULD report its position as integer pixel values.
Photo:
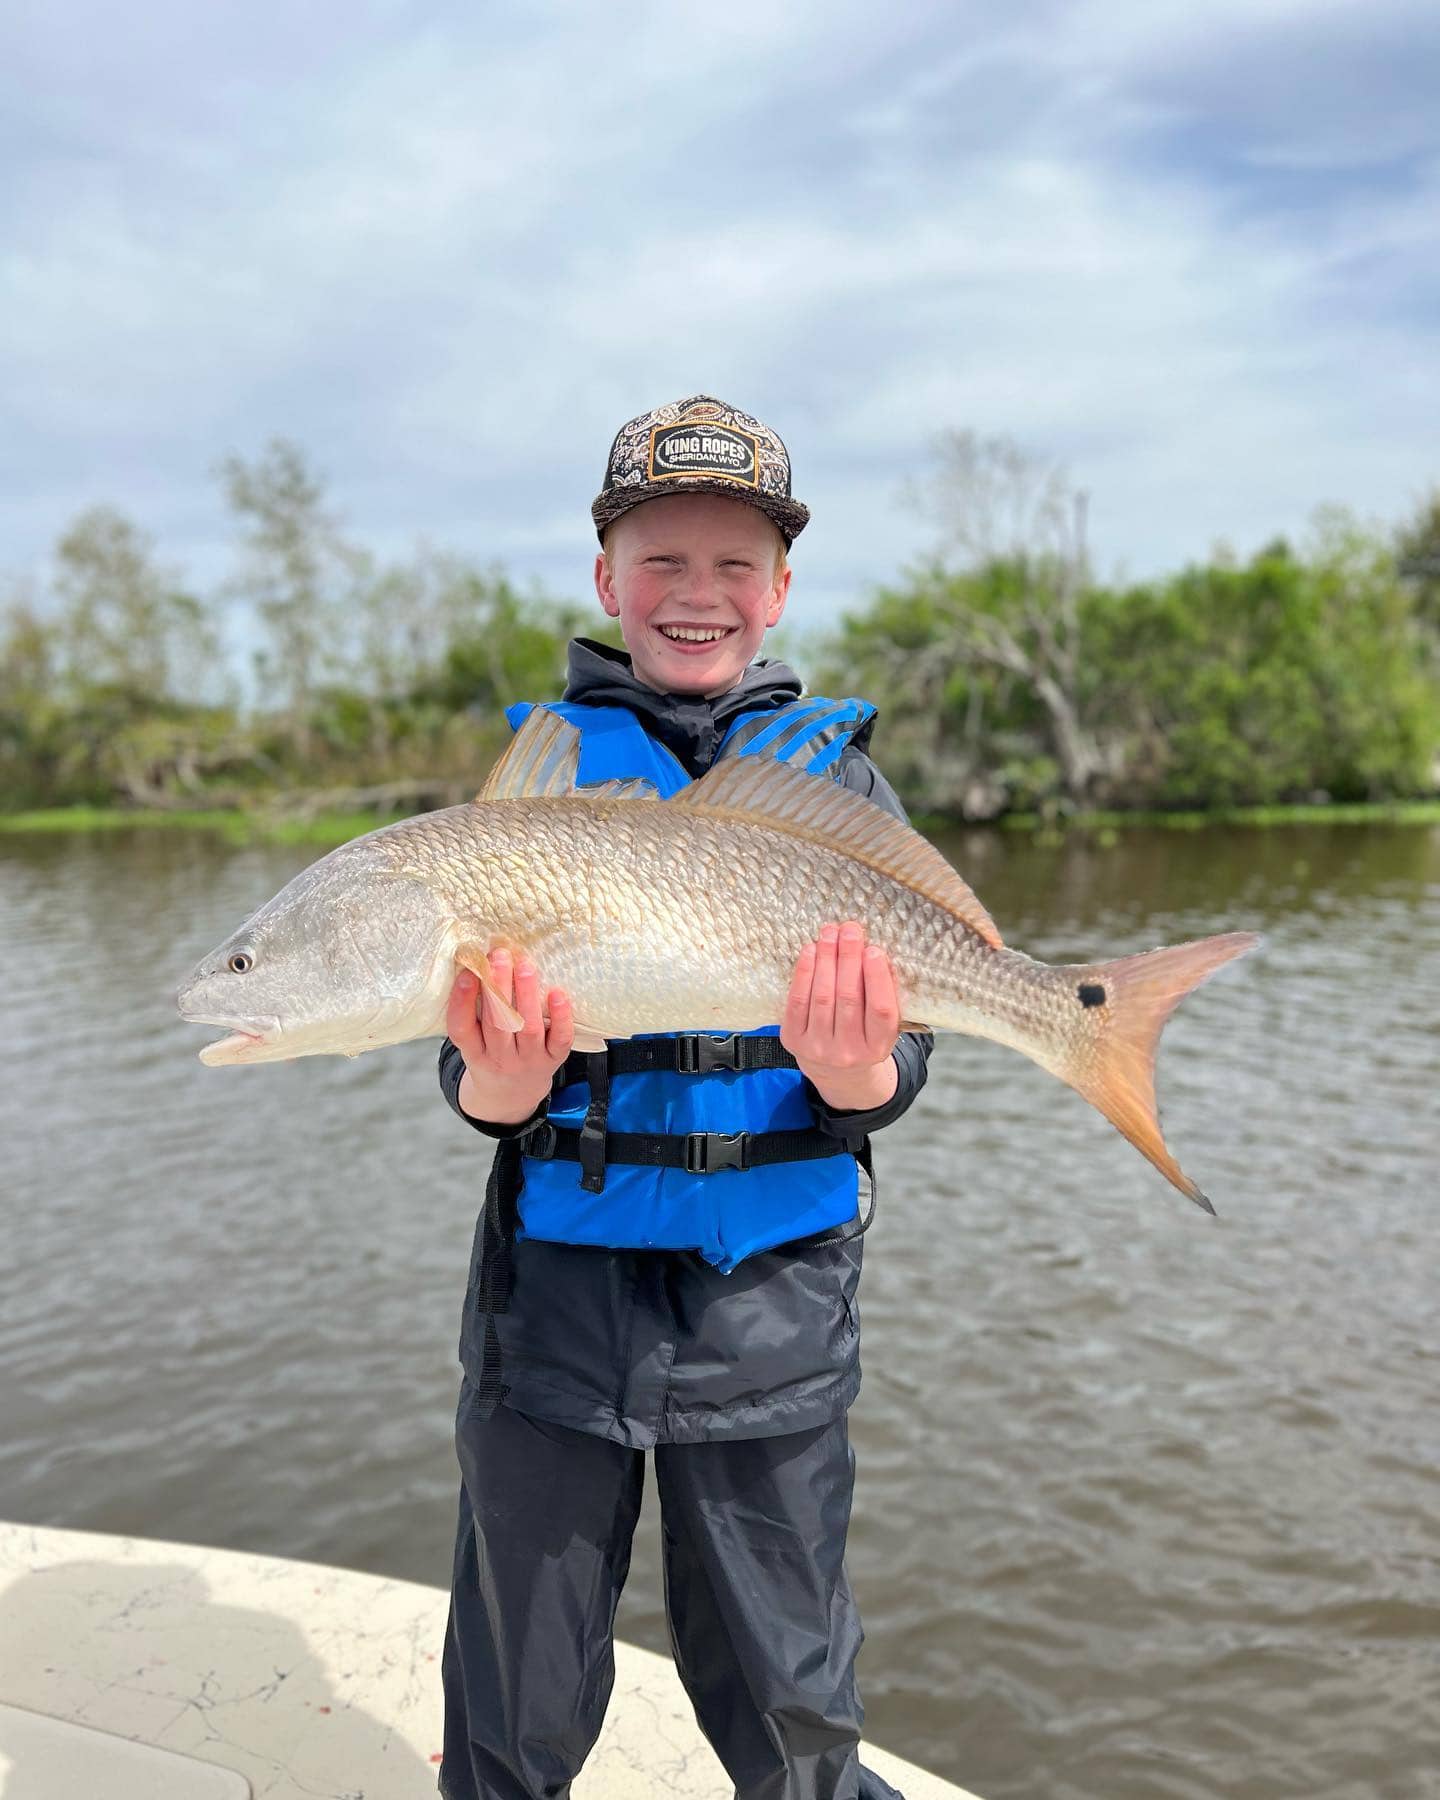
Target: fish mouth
(235, 1048)
(245, 1036)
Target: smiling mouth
(694, 634)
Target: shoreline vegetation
(319, 690)
(329, 830)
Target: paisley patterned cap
(699, 445)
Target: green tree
(99, 675)
(1417, 555)
(297, 571)
(31, 710)
(511, 648)
(980, 653)
(1290, 676)
(1018, 530)
(124, 621)
(962, 737)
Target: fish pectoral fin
(588, 1040)
(473, 958)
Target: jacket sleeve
(912, 1051)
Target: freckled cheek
(646, 600)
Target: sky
(1189, 254)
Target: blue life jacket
(730, 1212)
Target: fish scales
(603, 895)
(672, 915)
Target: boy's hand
(507, 1073)
(842, 1019)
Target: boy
(642, 1285)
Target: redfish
(672, 915)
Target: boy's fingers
(502, 973)
(849, 978)
(882, 1002)
(527, 1004)
(560, 1037)
(461, 1025)
(797, 1001)
(462, 991)
(822, 995)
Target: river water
(1148, 1503)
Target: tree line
(360, 682)
(1012, 679)
(1009, 676)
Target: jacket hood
(689, 724)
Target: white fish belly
(632, 983)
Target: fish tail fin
(1113, 1066)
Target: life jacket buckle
(698, 1054)
(707, 1151)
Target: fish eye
(241, 963)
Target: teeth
(688, 634)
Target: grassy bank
(236, 827)
(338, 828)
(1383, 812)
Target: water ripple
(1148, 1504)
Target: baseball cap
(699, 445)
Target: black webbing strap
(497, 1271)
(690, 1053)
(697, 1152)
(591, 1152)
(708, 1152)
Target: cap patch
(695, 444)
(703, 449)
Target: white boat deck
(137, 1670)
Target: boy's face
(687, 564)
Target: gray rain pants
(762, 1621)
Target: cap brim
(789, 516)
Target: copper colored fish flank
(684, 914)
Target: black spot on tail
(1091, 994)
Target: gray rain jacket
(652, 1347)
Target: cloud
(1191, 254)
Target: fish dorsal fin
(637, 788)
(542, 761)
(818, 808)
